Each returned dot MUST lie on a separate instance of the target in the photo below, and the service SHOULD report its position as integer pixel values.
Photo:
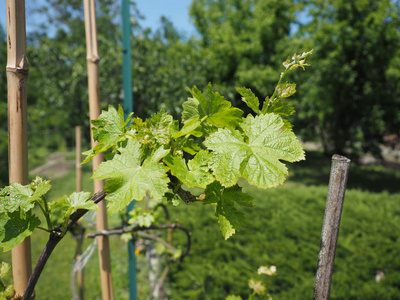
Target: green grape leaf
(143, 217)
(210, 108)
(189, 128)
(189, 146)
(280, 107)
(16, 196)
(14, 229)
(175, 199)
(5, 268)
(158, 128)
(250, 99)
(128, 178)
(77, 201)
(297, 61)
(195, 173)
(225, 226)
(255, 156)
(285, 90)
(110, 130)
(40, 187)
(229, 218)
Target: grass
(283, 230)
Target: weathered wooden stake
(94, 108)
(17, 75)
(330, 227)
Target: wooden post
(330, 227)
(94, 108)
(17, 75)
(78, 166)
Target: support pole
(128, 108)
(94, 108)
(330, 228)
(17, 75)
(78, 166)
(78, 285)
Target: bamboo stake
(78, 166)
(17, 75)
(79, 282)
(94, 107)
(330, 227)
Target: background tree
(351, 99)
(240, 41)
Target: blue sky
(175, 10)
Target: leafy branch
(200, 160)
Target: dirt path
(56, 166)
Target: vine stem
(120, 231)
(56, 235)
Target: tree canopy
(352, 98)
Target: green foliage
(147, 157)
(352, 99)
(130, 178)
(285, 231)
(143, 217)
(15, 227)
(254, 156)
(229, 218)
(195, 173)
(241, 40)
(6, 291)
(17, 218)
(210, 108)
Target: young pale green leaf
(280, 107)
(250, 99)
(16, 196)
(143, 217)
(77, 201)
(195, 173)
(189, 128)
(129, 179)
(297, 61)
(157, 129)
(225, 226)
(229, 218)
(7, 292)
(40, 187)
(14, 229)
(256, 157)
(285, 90)
(210, 108)
(111, 126)
(175, 199)
(5, 268)
(110, 129)
(189, 146)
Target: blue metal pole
(128, 108)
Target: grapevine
(200, 160)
